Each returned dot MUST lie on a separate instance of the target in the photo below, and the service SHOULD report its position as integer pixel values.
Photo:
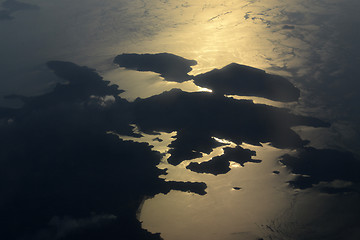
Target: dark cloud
(221, 164)
(236, 79)
(171, 67)
(288, 27)
(12, 6)
(5, 15)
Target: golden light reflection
(215, 34)
(145, 84)
(180, 215)
(263, 199)
(159, 141)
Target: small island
(171, 67)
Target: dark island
(64, 175)
(236, 79)
(200, 116)
(323, 165)
(221, 164)
(169, 66)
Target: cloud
(12, 6)
(288, 27)
(104, 101)
(66, 225)
(5, 15)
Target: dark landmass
(289, 27)
(12, 6)
(157, 139)
(215, 166)
(221, 164)
(233, 79)
(63, 177)
(322, 165)
(197, 117)
(190, 145)
(236, 79)
(171, 67)
(194, 187)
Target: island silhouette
(65, 173)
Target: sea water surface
(312, 43)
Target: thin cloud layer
(12, 6)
